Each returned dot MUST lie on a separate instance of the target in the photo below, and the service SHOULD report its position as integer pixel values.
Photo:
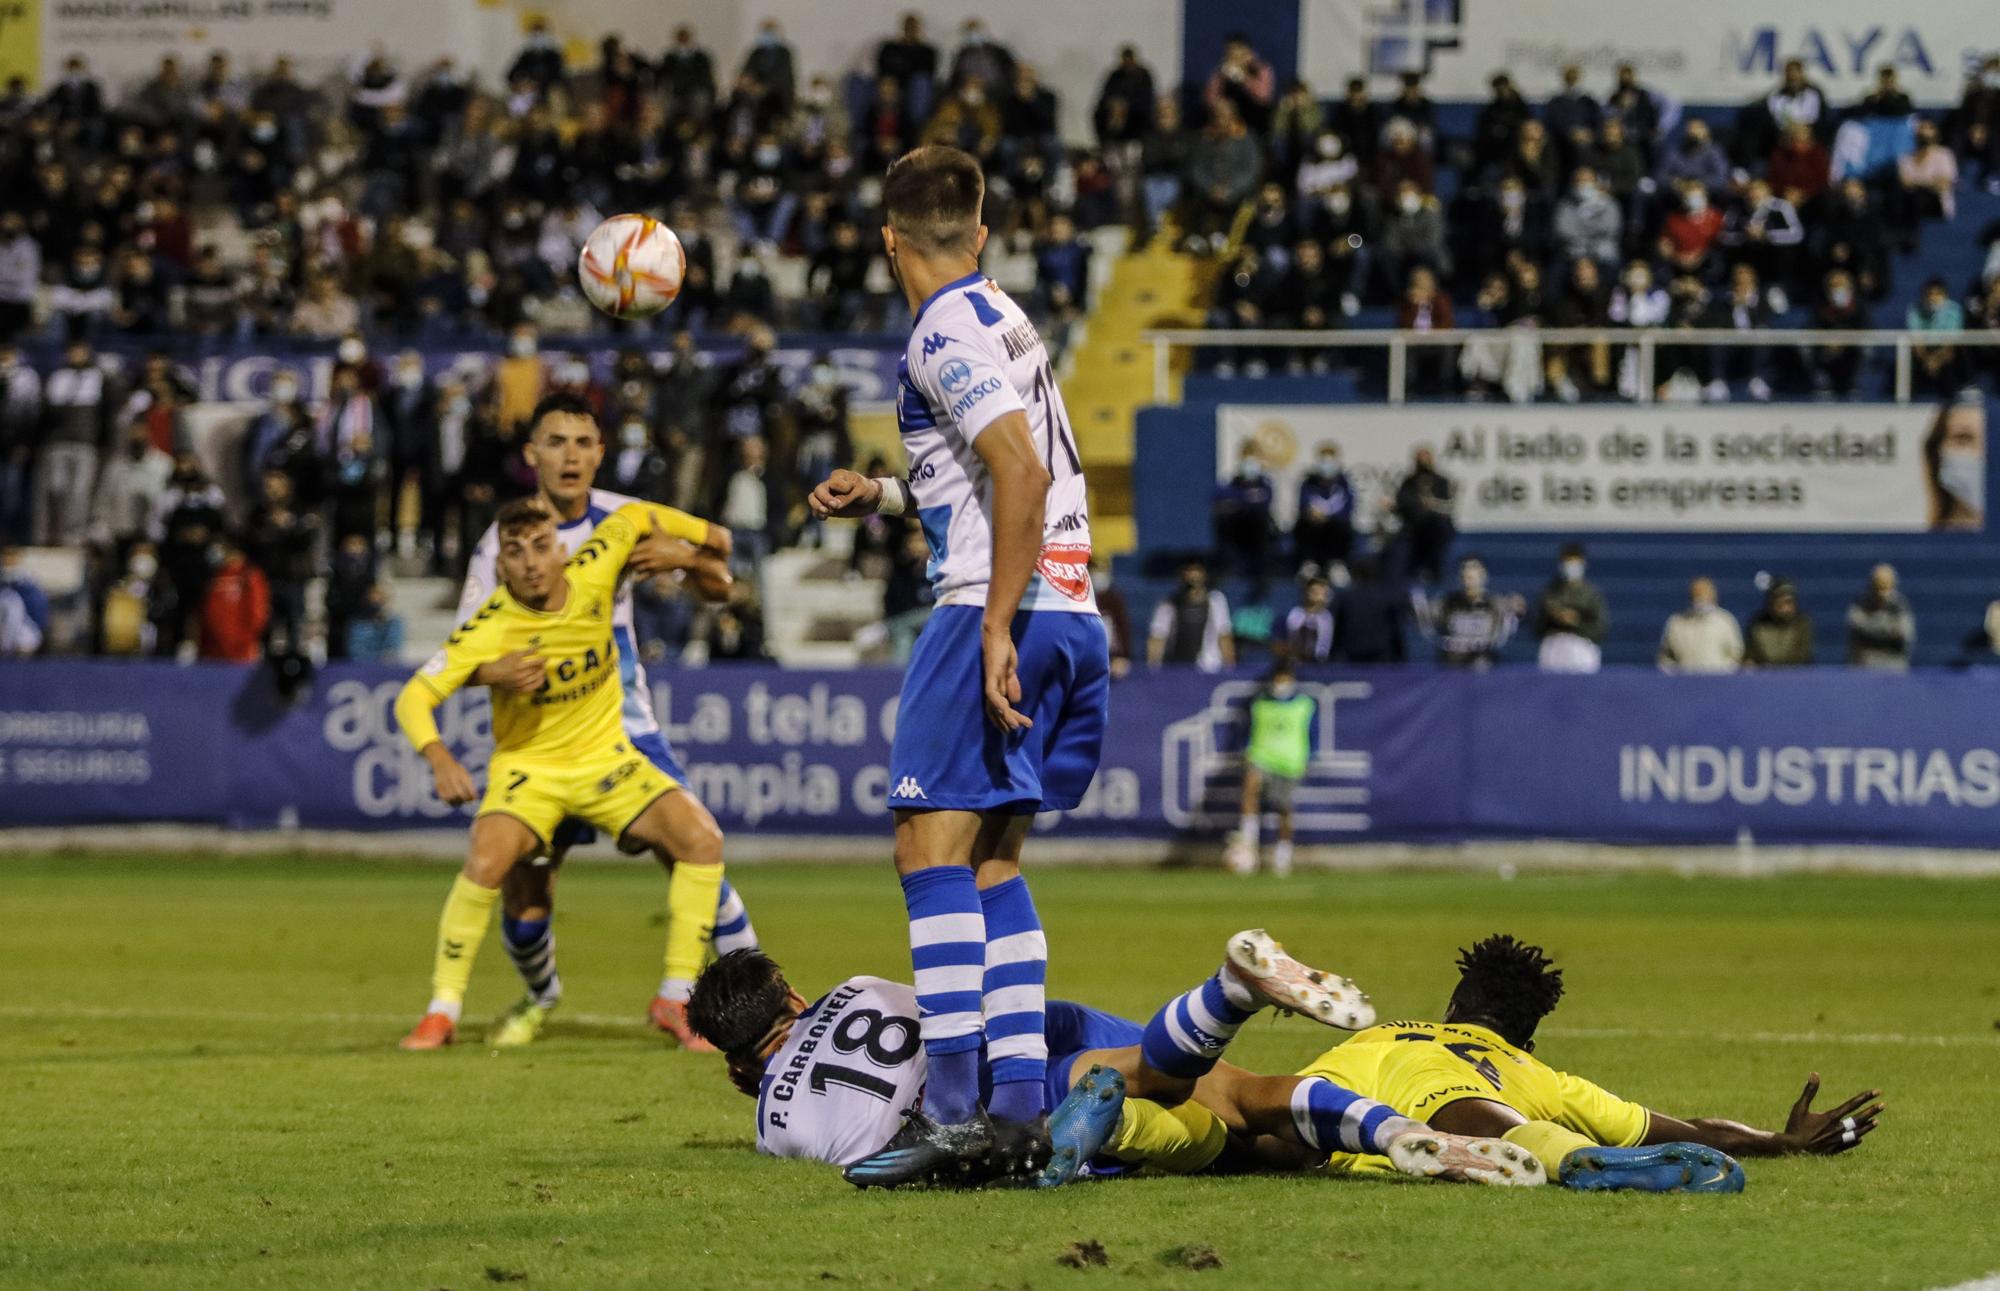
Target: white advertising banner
(1698, 51)
(1887, 468)
(125, 39)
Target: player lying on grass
(561, 750)
(834, 1079)
(565, 448)
(1473, 1074)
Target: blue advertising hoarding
(1817, 756)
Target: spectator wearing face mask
(634, 465)
(1938, 367)
(1880, 628)
(1241, 510)
(235, 608)
(134, 606)
(79, 399)
(280, 540)
(1703, 637)
(1835, 365)
(122, 508)
(1696, 159)
(1191, 626)
(1780, 636)
(1423, 508)
(375, 635)
(1587, 221)
(1323, 532)
(1955, 461)
(1570, 619)
(1471, 625)
(1309, 624)
(1690, 234)
(409, 422)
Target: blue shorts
(1073, 1030)
(947, 756)
(575, 833)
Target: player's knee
(487, 869)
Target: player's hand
(720, 540)
(846, 493)
(1825, 1133)
(659, 552)
(454, 782)
(518, 672)
(1003, 683)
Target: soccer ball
(631, 266)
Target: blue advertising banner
(1821, 756)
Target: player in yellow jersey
(560, 750)
(1474, 1074)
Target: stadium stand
(400, 239)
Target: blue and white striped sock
(1187, 1036)
(732, 923)
(531, 944)
(1334, 1119)
(1016, 1001)
(948, 950)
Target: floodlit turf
(199, 1087)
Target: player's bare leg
(1281, 852)
(1240, 857)
(677, 825)
(527, 905)
(499, 842)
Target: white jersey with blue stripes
(973, 357)
(482, 579)
(837, 1089)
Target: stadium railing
(1396, 344)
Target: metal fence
(1644, 345)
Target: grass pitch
(201, 1087)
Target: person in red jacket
(1690, 234)
(236, 609)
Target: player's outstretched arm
(1020, 497)
(1805, 1132)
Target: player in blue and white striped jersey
(565, 449)
(1003, 707)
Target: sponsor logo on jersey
(1066, 567)
(935, 342)
(435, 665)
(964, 402)
(624, 772)
(908, 787)
(955, 375)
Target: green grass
(198, 1086)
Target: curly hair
(1508, 983)
(737, 1000)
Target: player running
(996, 482)
(1474, 1074)
(560, 750)
(565, 449)
(834, 1078)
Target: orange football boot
(671, 1016)
(433, 1031)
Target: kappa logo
(955, 375)
(597, 609)
(934, 342)
(908, 787)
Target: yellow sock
(1175, 1140)
(691, 896)
(461, 928)
(1549, 1142)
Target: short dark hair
(1570, 549)
(522, 513)
(737, 1000)
(932, 196)
(561, 403)
(1508, 983)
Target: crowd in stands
(1613, 212)
(1371, 589)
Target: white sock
(1234, 990)
(450, 1008)
(676, 988)
(1250, 824)
(1281, 855)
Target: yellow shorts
(610, 791)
